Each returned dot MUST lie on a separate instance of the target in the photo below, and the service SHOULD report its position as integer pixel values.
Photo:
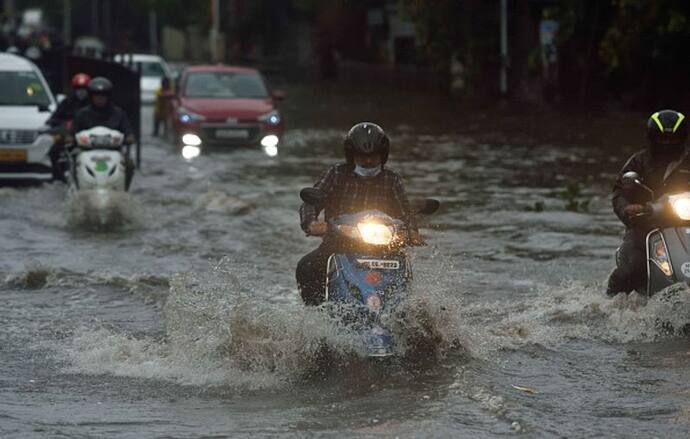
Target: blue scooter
(369, 272)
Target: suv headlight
(187, 116)
(272, 118)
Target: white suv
(26, 103)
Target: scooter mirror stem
(632, 178)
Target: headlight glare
(190, 152)
(270, 141)
(272, 118)
(191, 139)
(681, 206)
(375, 233)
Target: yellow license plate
(12, 155)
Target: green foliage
(644, 31)
(574, 199)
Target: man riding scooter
(362, 183)
(62, 118)
(101, 111)
(657, 166)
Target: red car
(225, 106)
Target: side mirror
(312, 196)
(430, 206)
(630, 179)
(278, 95)
(59, 98)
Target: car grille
(17, 137)
(210, 136)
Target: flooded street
(185, 321)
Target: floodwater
(182, 319)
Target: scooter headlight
(375, 233)
(681, 205)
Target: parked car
(153, 70)
(26, 103)
(225, 106)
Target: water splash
(93, 210)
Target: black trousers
(311, 275)
(631, 264)
(58, 161)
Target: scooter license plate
(380, 264)
(13, 155)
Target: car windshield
(22, 88)
(225, 85)
(152, 69)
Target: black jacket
(662, 175)
(112, 117)
(66, 110)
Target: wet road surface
(185, 320)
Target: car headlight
(375, 233)
(187, 116)
(681, 205)
(272, 118)
(191, 139)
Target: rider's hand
(318, 229)
(633, 210)
(416, 238)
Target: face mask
(367, 172)
(81, 94)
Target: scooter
(668, 244)
(97, 182)
(97, 162)
(369, 273)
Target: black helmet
(100, 86)
(667, 131)
(366, 138)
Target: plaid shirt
(349, 193)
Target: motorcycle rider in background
(362, 183)
(62, 118)
(667, 133)
(101, 111)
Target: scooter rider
(61, 119)
(666, 153)
(362, 183)
(76, 101)
(101, 111)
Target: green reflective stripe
(655, 118)
(680, 119)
